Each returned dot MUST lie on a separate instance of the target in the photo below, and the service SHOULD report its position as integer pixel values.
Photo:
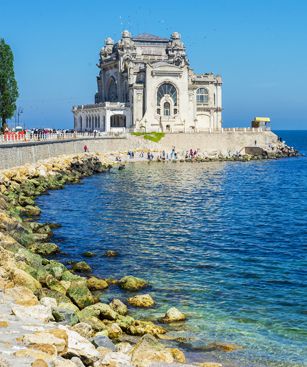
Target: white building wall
(155, 76)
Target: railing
(216, 131)
(117, 132)
(38, 137)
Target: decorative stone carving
(176, 50)
(107, 49)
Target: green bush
(154, 136)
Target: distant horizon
(261, 61)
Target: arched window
(112, 90)
(167, 88)
(167, 109)
(202, 96)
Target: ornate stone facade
(145, 83)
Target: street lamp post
(19, 112)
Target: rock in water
(111, 253)
(44, 249)
(173, 315)
(132, 283)
(149, 350)
(88, 254)
(142, 300)
(223, 347)
(96, 284)
(81, 266)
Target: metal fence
(31, 137)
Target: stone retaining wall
(224, 143)
(217, 142)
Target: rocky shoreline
(51, 315)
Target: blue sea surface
(225, 242)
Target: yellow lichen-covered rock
(63, 363)
(178, 355)
(95, 323)
(4, 324)
(149, 350)
(96, 284)
(132, 283)
(32, 353)
(8, 242)
(114, 330)
(84, 329)
(54, 337)
(139, 327)
(20, 277)
(60, 334)
(6, 222)
(21, 295)
(45, 348)
(142, 300)
(39, 363)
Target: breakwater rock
(50, 314)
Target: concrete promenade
(223, 142)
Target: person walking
(85, 148)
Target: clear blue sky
(258, 46)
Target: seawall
(225, 143)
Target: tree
(8, 84)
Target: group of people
(164, 156)
(190, 154)
(131, 154)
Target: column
(108, 122)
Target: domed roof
(175, 36)
(126, 34)
(109, 41)
(149, 37)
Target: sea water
(224, 242)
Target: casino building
(145, 83)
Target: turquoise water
(224, 242)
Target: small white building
(145, 83)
